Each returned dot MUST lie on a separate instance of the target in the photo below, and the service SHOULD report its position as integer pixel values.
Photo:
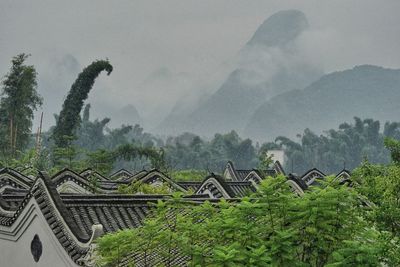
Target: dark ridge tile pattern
(14, 179)
(120, 174)
(88, 172)
(241, 174)
(190, 185)
(48, 200)
(241, 189)
(114, 212)
(136, 176)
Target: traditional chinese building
(53, 221)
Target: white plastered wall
(15, 242)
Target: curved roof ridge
(59, 178)
(312, 170)
(278, 167)
(136, 176)
(163, 176)
(93, 171)
(298, 181)
(59, 205)
(16, 174)
(344, 170)
(122, 170)
(221, 181)
(231, 168)
(51, 205)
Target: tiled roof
(217, 187)
(73, 218)
(14, 179)
(120, 174)
(241, 189)
(241, 174)
(69, 235)
(190, 185)
(114, 212)
(89, 172)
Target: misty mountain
(127, 115)
(280, 28)
(365, 91)
(230, 107)
(155, 105)
(269, 64)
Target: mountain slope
(268, 65)
(365, 91)
(280, 28)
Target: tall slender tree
(19, 100)
(69, 118)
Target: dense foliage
(188, 175)
(337, 149)
(333, 224)
(327, 226)
(138, 187)
(189, 151)
(330, 225)
(69, 118)
(80, 142)
(18, 102)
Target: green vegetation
(77, 142)
(337, 149)
(189, 151)
(330, 225)
(138, 187)
(367, 91)
(188, 175)
(69, 118)
(18, 102)
(327, 226)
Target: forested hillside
(268, 64)
(364, 91)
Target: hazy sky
(186, 36)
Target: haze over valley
(260, 69)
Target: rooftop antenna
(344, 165)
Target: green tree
(337, 149)
(66, 157)
(274, 227)
(69, 119)
(394, 148)
(19, 100)
(138, 187)
(101, 160)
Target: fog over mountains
(269, 93)
(269, 88)
(365, 91)
(269, 64)
(236, 67)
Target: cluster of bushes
(332, 224)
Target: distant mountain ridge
(366, 91)
(280, 28)
(268, 65)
